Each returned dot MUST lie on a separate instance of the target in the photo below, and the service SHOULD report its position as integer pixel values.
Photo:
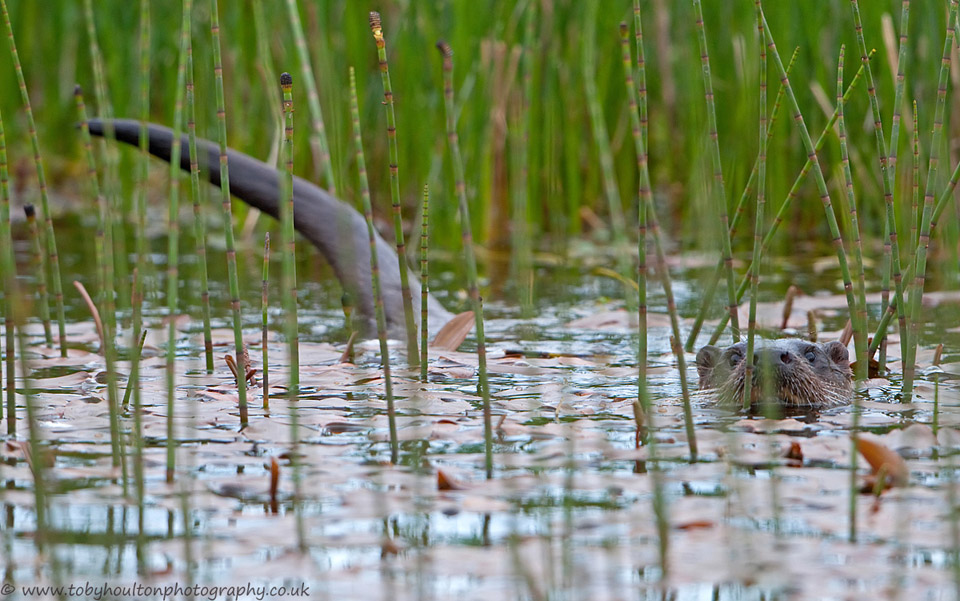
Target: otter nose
(772, 357)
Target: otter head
(794, 373)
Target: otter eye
(811, 356)
(735, 358)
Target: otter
(794, 373)
(337, 229)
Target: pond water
(762, 514)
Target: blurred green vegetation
(487, 38)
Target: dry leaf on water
(452, 335)
(883, 463)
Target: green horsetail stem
(892, 163)
(377, 29)
(40, 269)
(111, 178)
(938, 210)
(754, 273)
(642, 407)
(264, 322)
(648, 216)
(424, 282)
(374, 267)
(467, 236)
(289, 240)
(8, 270)
(199, 223)
(104, 243)
(521, 240)
(837, 238)
(601, 138)
(920, 268)
(318, 134)
(228, 216)
(859, 317)
(290, 303)
(738, 213)
(794, 191)
(915, 203)
(173, 240)
(887, 174)
(143, 171)
(719, 189)
(52, 254)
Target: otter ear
(837, 351)
(707, 359)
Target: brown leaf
(695, 525)
(794, 453)
(445, 482)
(274, 484)
(884, 462)
(452, 335)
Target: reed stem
(887, 172)
(228, 215)
(199, 223)
(52, 255)
(424, 282)
(792, 195)
(289, 241)
(920, 268)
(859, 316)
(374, 267)
(318, 135)
(738, 213)
(173, 240)
(643, 413)
(467, 237)
(754, 273)
(8, 270)
(376, 27)
(40, 269)
(264, 322)
(719, 189)
(105, 260)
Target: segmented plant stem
(376, 27)
(859, 317)
(318, 135)
(173, 240)
(199, 223)
(754, 273)
(602, 138)
(374, 267)
(642, 407)
(9, 280)
(39, 269)
(920, 268)
(289, 240)
(938, 209)
(467, 236)
(264, 323)
(837, 239)
(228, 216)
(738, 213)
(887, 171)
(106, 279)
(290, 302)
(646, 199)
(794, 191)
(424, 281)
(719, 189)
(52, 255)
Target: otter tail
(337, 230)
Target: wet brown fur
(794, 373)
